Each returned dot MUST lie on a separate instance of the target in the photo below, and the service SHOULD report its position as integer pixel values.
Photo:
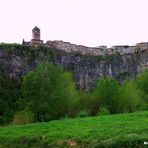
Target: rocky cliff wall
(86, 69)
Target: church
(36, 38)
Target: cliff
(17, 60)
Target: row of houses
(101, 50)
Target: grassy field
(123, 130)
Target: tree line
(48, 93)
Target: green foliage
(88, 102)
(49, 92)
(23, 117)
(121, 99)
(130, 97)
(104, 58)
(142, 81)
(142, 84)
(9, 46)
(82, 113)
(114, 131)
(106, 91)
(9, 94)
(28, 51)
(103, 111)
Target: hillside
(123, 130)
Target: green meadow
(122, 130)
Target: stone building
(73, 48)
(36, 38)
(36, 33)
(35, 41)
(143, 46)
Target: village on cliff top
(73, 48)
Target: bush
(82, 113)
(23, 117)
(103, 111)
(88, 102)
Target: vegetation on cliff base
(48, 92)
(9, 94)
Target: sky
(84, 22)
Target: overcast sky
(85, 22)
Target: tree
(49, 92)
(142, 81)
(106, 91)
(87, 103)
(9, 94)
(130, 97)
(142, 84)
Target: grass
(123, 130)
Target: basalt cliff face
(18, 60)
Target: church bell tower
(36, 37)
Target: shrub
(82, 113)
(23, 117)
(103, 111)
(88, 102)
